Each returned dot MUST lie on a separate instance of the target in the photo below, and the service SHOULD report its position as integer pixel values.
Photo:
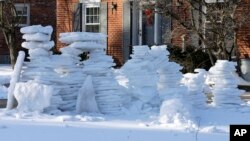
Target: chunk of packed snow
(86, 98)
(81, 36)
(14, 79)
(71, 51)
(173, 111)
(33, 96)
(37, 29)
(32, 45)
(87, 46)
(38, 52)
(37, 37)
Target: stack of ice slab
(59, 71)
(169, 84)
(224, 89)
(195, 82)
(39, 68)
(109, 95)
(142, 79)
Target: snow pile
(141, 74)
(174, 112)
(224, 89)
(86, 98)
(33, 96)
(197, 88)
(108, 94)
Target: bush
(191, 59)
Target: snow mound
(173, 111)
(37, 29)
(86, 98)
(33, 96)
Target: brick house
(34, 12)
(124, 23)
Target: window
(23, 12)
(92, 20)
(4, 59)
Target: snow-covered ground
(213, 124)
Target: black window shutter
(77, 17)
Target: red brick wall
(177, 29)
(243, 35)
(115, 31)
(41, 12)
(64, 17)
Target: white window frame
(91, 5)
(27, 15)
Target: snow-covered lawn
(213, 126)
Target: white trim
(214, 1)
(27, 5)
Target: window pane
(21, 10)
(95, 19)
(92, 28)
(22, 19)
(87, 11)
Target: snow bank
(86, 98)
(33, 96)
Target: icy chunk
(37, 29)
(32, 45)
(37, 37)
(33, 96)
(86, 101)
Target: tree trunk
(13, 55)
(10, 39)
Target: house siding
(115, 31)
(64, 18)
(243, 35)
(41, 12)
